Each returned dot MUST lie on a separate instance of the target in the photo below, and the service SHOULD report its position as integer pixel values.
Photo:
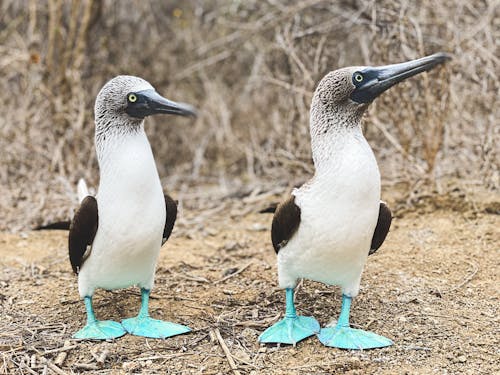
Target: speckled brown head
(124, 102)
(344, 94)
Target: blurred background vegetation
(250, 67)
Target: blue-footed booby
(115, 237)
(326, 229)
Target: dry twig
(233, 274)
(226, 351)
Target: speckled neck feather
(112, 123)
(333, 115)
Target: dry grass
(250, 67)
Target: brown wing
(382, 228)
(58, 225)
(286, 221)
(171, 207)
(82, 232)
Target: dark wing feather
(82, 232)
(286, 221)
(171, 207)
(382, 228)
(58, 225)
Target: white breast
(132, 215)
(339, 211)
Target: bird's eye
(132, 98)
(358, 77)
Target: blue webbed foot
(290, 330)
(351, 338)
(100, 330)
(344, 337)
(149, 327)
(96, 329)
(143, 325)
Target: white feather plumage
(339, 210)
(132, 215)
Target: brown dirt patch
(432, 288)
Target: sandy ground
(432, 288)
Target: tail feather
(82, 189)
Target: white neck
(126, 163)
(327, 148)
(346, 169)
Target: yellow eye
(132, 98)
(358, 77)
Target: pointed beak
(149, 102)
(377, 80)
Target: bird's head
(127, 100)
(344, 94)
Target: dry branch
(227, 353)
(250, 68)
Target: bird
(115, 237)
(327, 227)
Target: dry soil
(432, 288)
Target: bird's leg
(144, 325)
(345, 310)
(290, 311)
(91, 319)
(344, 337)
(292, 328)
(98, 330)
(144, 311)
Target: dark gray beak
(371, 82)
(148, 102)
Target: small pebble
(258, 228)
(230, 246)
(250, 334)
(211, 232)
(240, 354)
(129, 366)
(354, 363)
(61, 357)
(255, 314)
(230, 271)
